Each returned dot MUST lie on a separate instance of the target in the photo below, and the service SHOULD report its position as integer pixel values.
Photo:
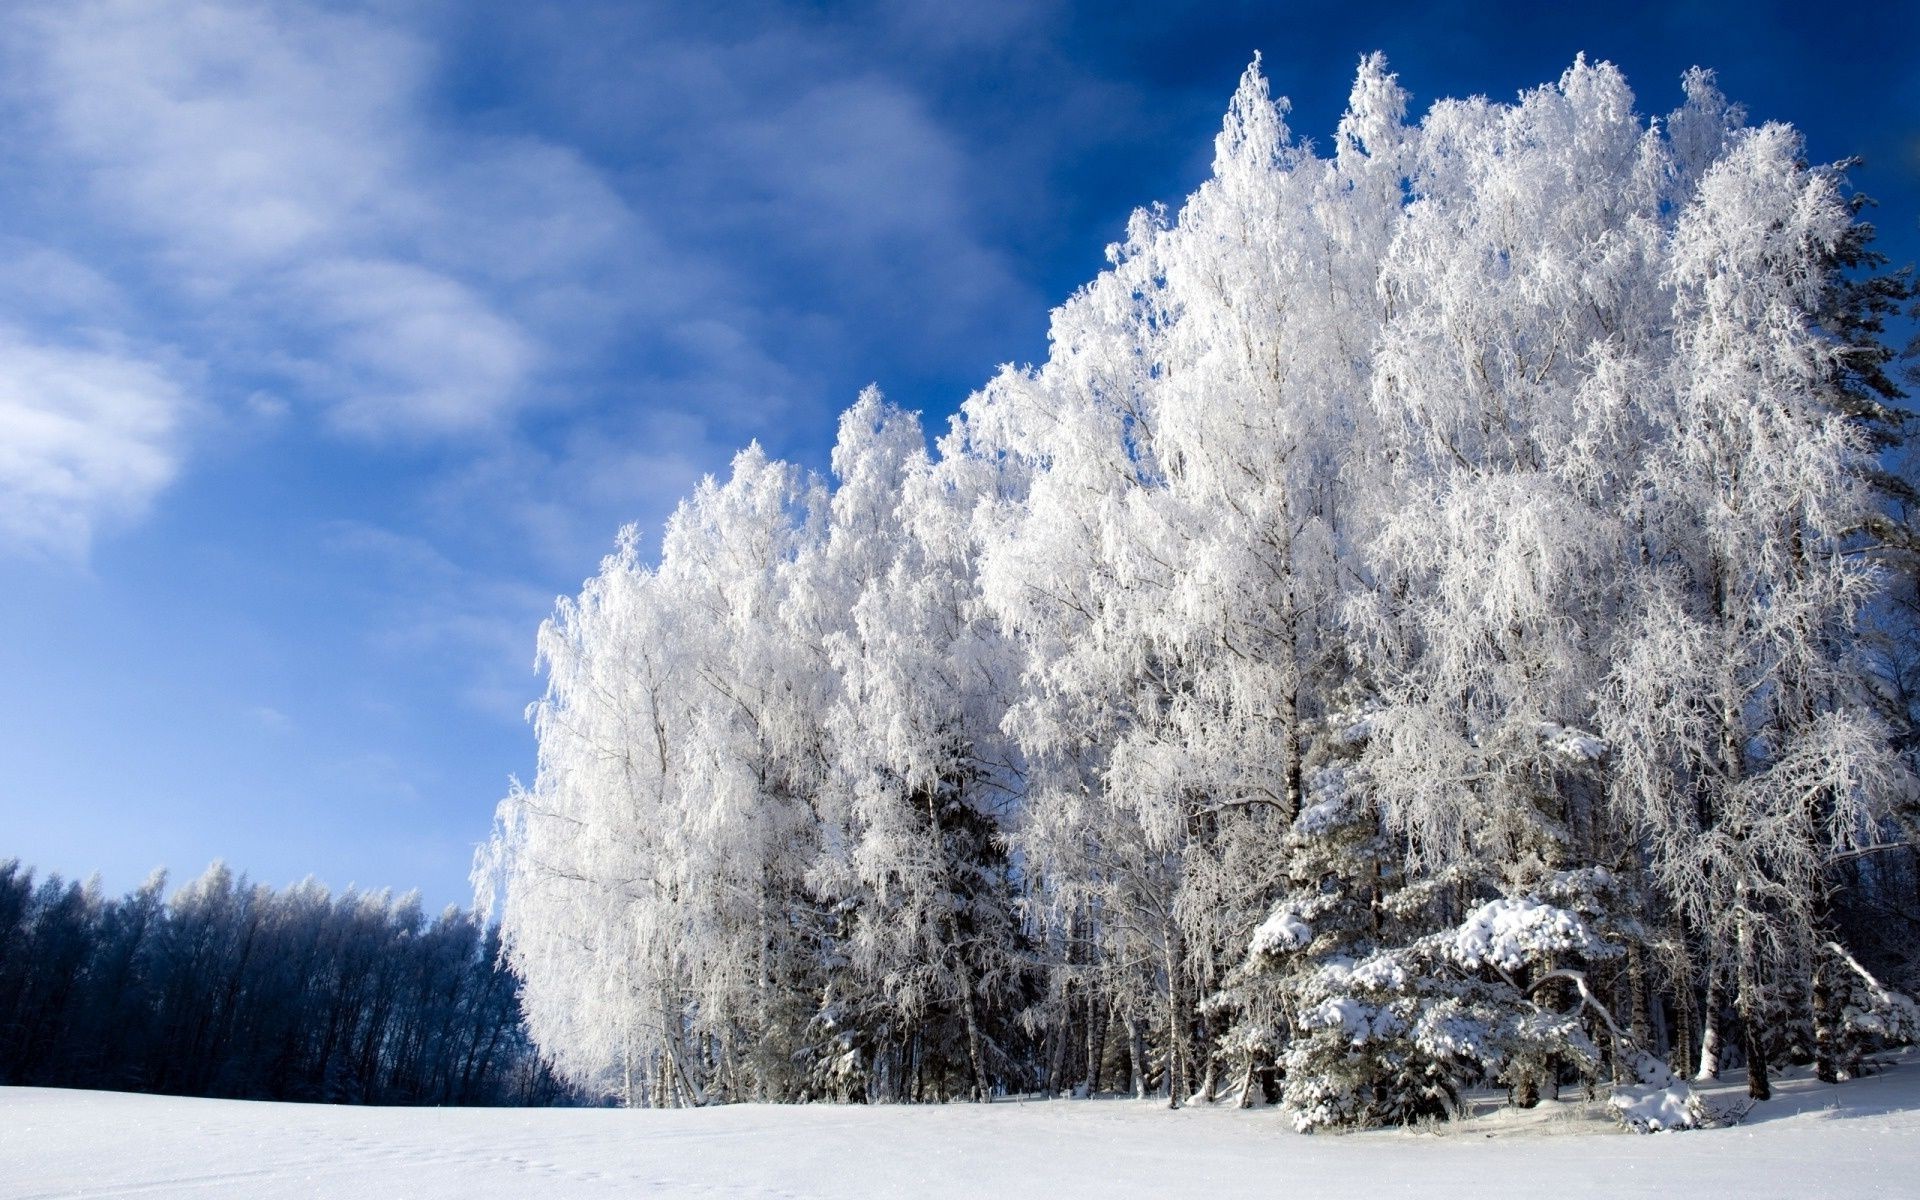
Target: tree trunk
(1137, 1054)
(1059, 1045)
(1683, 1028)
(918, 1091)
(1747, 1001)
(1175, 1079)
(1526, 1091)
(1827, 1032)
(1292, 772)
(1642, 1023)
(971, 1012)
(1758, 1086)
(1710, 1032)
(1247, 1080)
(1098, 1017)
(1203, 1050)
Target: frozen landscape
(1427, 635)
(1857, 1139)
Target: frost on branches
(1430, 623)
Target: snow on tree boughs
(1406, 635)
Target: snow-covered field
(1859, 1139)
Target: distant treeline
(230, 988)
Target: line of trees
(229, 988)
(1441, 615)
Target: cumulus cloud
(88, 436)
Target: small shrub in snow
(1658, 1101)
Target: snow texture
(1860, 1138)
(1508, 933)
(1660, 1102)
(1284, 930)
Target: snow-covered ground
(1858, 1139)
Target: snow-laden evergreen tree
(1379, 1017)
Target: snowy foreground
(1859, 1139)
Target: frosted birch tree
(1749, 750)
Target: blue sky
(337, 340)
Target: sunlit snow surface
(1858, 1139)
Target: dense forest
(232, 989)
(1441, 617)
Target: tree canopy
(1432, 620)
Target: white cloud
(713, 235)
(295, 192)
(88, 436)
(832, 191)
(567, 502)
(241, 135)
(39, 279)
(409, 349)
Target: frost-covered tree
(667, 841)
(1405, 635)
(1521, 289)
(913, 866)
(585, 863)
(1749, 749)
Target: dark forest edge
(231, 989)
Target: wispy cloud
(282, 171)
(802, 157)
(566, 501)
(88, 435)
(472, 631)
(643, 225)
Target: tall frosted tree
(928, 773)
(1749, 750)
